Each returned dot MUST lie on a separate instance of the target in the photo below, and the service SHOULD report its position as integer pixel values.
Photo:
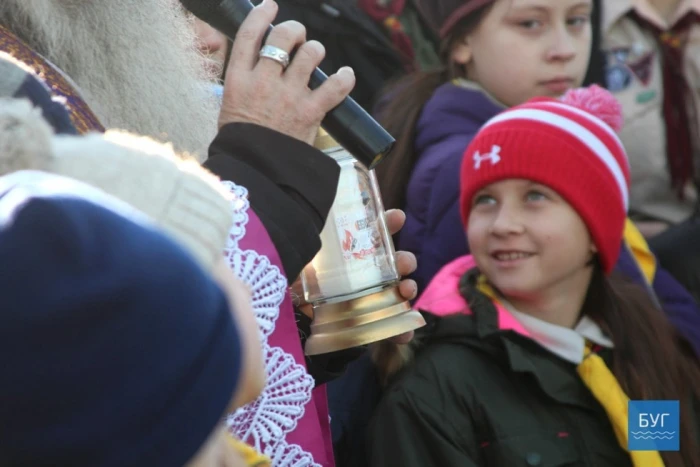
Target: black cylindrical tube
(348, 123)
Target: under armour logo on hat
(493, 156)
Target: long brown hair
(651, 360)
(400, 114)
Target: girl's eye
(530, 24)
(578, 21)
(535, 196)
(484, 199)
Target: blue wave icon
(653, 434)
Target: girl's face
(528, 241)
(528, 48)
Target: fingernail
(347, 70)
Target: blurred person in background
(381, 40)
(653, 61)
(652, 51)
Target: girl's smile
(509, 259)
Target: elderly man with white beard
(134, 62)
(133, 65)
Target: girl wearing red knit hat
(533, 349)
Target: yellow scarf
(640, 250)
(251, 457)
(606, 389)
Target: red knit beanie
(569, 145)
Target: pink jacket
(442, 297)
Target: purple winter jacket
(434, 230)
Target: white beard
(135, 61)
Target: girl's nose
(563, 48)
(506, 222)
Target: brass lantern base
(360, 321)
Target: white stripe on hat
(580, 132)
(19, 188)
(589, 117)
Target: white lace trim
(265, 422)
(268, 286)
(290, 455)
(240, 203)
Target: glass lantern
(352, 282)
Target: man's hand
(262, 91)
(405, 265)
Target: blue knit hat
(116, 349)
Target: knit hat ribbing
(184, 199)
(565, 145)
(181, 196)
(111, 335)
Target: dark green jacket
(481, 395)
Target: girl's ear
(461, 52)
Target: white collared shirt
(564, 342)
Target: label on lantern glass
(359, 245)
(354, 256)
(356, 233)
